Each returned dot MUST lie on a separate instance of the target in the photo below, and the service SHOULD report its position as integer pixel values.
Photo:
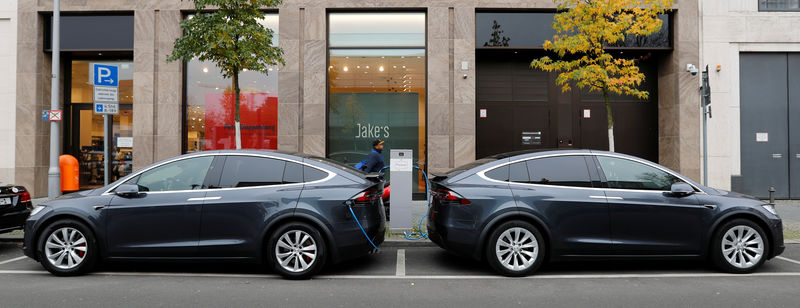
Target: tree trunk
(610, 117)
(236, 108)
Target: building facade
(752, 48)
(8, 88)
(448, 79)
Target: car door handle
(605, 197)
(710, 206)
(204, 198)
(98, 207)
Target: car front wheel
(67, 248)
(515, 249)
(296, 251)
(740, 246)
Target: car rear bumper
(350, 239)
(14, 220)
(458, 238)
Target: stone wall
(303, 82)
(729, 28)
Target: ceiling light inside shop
(346, 69)
(205, 70)
(381, 68)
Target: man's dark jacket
(374, 162)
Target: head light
(770, 209)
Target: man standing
(374, 161)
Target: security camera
(691, 69)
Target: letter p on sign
(105, 75)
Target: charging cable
(350, 207)
(413, 236)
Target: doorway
(518, 108)
(770, 141)
(84, 130)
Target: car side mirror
(681, 190)
(127, 190)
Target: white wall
(728, 28)
(8, 87)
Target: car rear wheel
(515, 249)
(296, 251)
(67, 248)
(740, 246)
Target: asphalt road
(428, 277)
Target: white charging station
(401, 167)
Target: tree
(584, 29)
(497, 40)
(228, 33)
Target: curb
(401, 242)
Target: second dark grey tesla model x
(516, 210)
(291, 211)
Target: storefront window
(85, 131)
(210, 105)
(376, 85)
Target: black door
(164, 220)
(251, 191)
(560, 188)
(645, 217)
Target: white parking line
(788, 260)
(435, 277)
(401, 263)
(12, 260)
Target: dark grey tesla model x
(291, 211)
(518, 209)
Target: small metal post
(772, 195)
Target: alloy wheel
(517, 249)
(66, 248)
(296, 251)
(742, 246)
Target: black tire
(494, 258)
(89, 255)
(316, 264)
(716, 250)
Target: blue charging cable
(413, 236)
(350, 207)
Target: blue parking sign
(105, 75)
(98, 108)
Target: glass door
(84, 135)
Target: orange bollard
(70, 178)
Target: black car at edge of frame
(516, 210)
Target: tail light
(25, 199)
(366, 197)
(448, 196)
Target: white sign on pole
(106, 94)
(106, 108)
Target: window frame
(328, 49)
(605, 181)
(185, 78)
(482, 173)
(113, 186)
(762, 8)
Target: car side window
(518, 172)
(568, 170)
(185, 174)
(311, 174)
(627, 174)
(498, 174)
(249, 171)
(293, 173)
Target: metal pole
(705, 145)
(54, 173)
(105, 150)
